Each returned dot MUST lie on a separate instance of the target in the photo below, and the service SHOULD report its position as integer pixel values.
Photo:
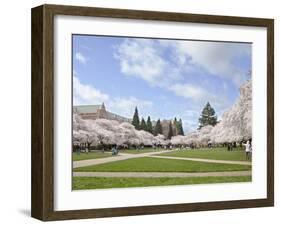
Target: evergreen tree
(170, 133)
(158, 128)
(180, 129)
(208, 116)
(175, 127)
(143, 125)
(136, 120)
(149, 125)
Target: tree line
(207, 117)
(175, 126)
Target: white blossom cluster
(236, 123)
(109, 132)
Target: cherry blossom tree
(192, 138)
(78, 122)
(204, 135)
(178, 140)
(127, 135)
(104, 130)
(236, 123)
(160, 140)
(145, 138)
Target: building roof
(87, 108)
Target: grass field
(148, 164)
(89, 155)
(123, 182)
(136, 151)
(215, 153)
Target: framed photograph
(142, 112)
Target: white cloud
(189, 118)
(215, 57)
(191, 113)
(200, 96)
(189, 91)
(144, 59)
(87, 94)
(174, 65)
(81, 58)
(190, 124)
(126, 106)
(162, 62)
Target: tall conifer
(180, 129)
(208, 116)
(149, 125)
(136, 120)
(158, 128)
(143, 125)
(170, 133)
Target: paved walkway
(161, 174)
(119, 157)
(204, 160)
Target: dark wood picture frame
(42, 203)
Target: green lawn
(215, 153)
(148, 164)
(89, 155)
(135, 151)
(122, 182)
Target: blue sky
(163, 78)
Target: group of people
(247, 145)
